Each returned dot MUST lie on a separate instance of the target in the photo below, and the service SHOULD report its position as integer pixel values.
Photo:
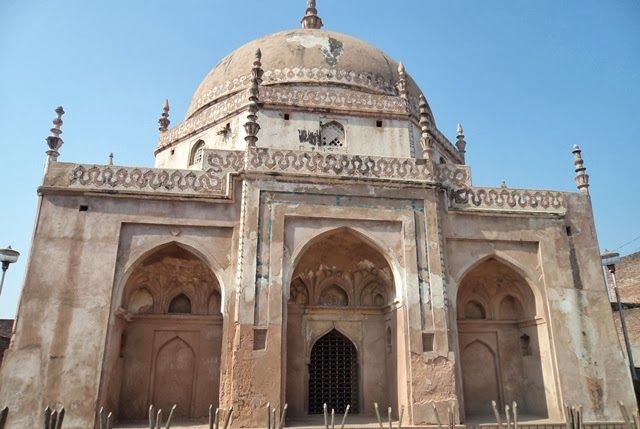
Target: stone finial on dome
(402, 81)
(164, 117)
(110, 159)
(582, 178)
(252, 127)
(311, 18)
(461, 144)
(54, 141)
(426, 142)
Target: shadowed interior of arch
(171, 303)
(342, 291)
(500, 338)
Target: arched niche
(333, 295)
(496, 312)
(176, 323)
(140, 301)
(174, 377)
(342, 281)
(180, 304)
(480, 378)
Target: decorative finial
(311, 18)
(503, 185)
(110, 162)
(402, 81)
(164, 118)
(582, 178)
(425, 124)
(461, 144)
(252, 127)
(54, 141)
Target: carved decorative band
(220, 165)
(515, 199)
(212, 181)
(342, 165)
(367, 81)
(305, 97)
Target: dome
(304, 57)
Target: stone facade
(300, 222)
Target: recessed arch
(350, 284)
(473, 309)
(492, 364)
(180, 304)
(174, 376)
(481, 383)
(141, 301)
(181, 284)
(510, 308)
(334, 295)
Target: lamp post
(7, 256)
(609, 260)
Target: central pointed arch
(342, 290)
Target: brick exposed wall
(628, 276)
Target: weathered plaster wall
(562, 267)
(58, 351)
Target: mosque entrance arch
(499, 342)
(333, 374)
(342, 327)
(170, 337)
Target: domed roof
(304, 57)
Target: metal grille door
(333, 374)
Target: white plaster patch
(330, 48)
(309, 40)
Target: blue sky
(527, 79)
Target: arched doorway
(498, 335)
(333, 374)
(342, 324)
(171, 336)
(174, 375)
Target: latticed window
(196, 153)
(333, 374)
(332, 134)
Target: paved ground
(316, 422)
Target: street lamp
(7, 256)
(609, 260)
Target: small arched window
(332, 134)
(197, 152)
(334, 296)
(474, 310)
(181, 304)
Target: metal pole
(4, 271)
(612, 270)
